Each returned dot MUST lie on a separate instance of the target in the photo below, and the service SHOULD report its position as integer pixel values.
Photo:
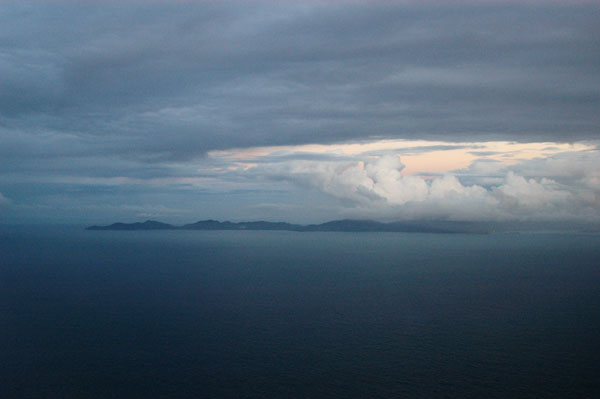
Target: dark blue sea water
(284, 314)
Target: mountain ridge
(344, 225)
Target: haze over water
(285, 314)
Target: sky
(299, 111)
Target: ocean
(277, 314)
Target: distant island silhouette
(335, 225)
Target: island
(346, 225)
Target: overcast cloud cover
(112, 109)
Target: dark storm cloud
(169, 82)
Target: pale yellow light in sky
(436, 161)
(413, 153)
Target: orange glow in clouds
(418, 156)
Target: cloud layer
(377, 188)
(115, 108)
(171, 81)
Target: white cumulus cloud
(376, 187)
